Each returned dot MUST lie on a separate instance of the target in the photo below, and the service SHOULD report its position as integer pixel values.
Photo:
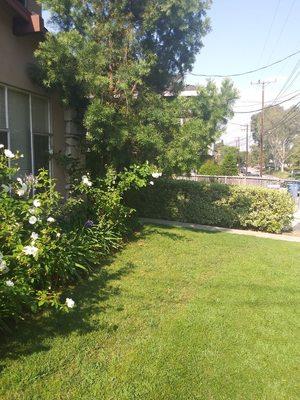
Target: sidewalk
(296, 223)
(288, 238)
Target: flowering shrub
(46, 243)
(215, 204)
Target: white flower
(34, 236)
(32, 220)
(70, 303)
(156, 175)
(85, 180)
(23, 189)
(30, 250)
(8, 153)
(9, 283)
(50, 219)
(3, 267)
(151, 183)
(1, 146)
(21, 155)
(21, 192)
(6, 188)
(58, 234)
(37, 203)
(32, 210)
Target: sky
(246, 35)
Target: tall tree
(112, 60)
(281, 129)
(295, 154)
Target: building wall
(16, 53)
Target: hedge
(215, 204)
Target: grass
(178, 315)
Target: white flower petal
(8, 153)
(36, 203)
(34, 236)
(156, 175)
(30, 250)
(70, 302)
(32, 220)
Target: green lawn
(178, 315)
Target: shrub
(210, 168)
(47, 243)
(215, 204)
(229, 165)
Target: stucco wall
(16, 52)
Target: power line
(270, 101)
(286, 118)
(270, 29)
(286, 85)
(260, 109)
(282, 29)
(247, 72)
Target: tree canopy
(282, 127)
(113, 60)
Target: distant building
(189, 91)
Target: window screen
(39, 107)
(41, 152)
(2, 108)
(3, 139)
(19, 126)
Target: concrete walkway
(288, 238)
(296, 223)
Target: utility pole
(247, 148)
(246, 129)
(262, 120)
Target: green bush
(47, 243)
(215, 204)
(210, 168)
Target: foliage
(281, 130)
(229, 161)
(210, 168)
(216, 204)
(112, 61)
(295, 154)
(117, 46)
(47, 243)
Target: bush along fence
(47, 243)
(215, 204)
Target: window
(3, 117)
(25, 126)
(40, 131)
(23, 2)
(19, 128)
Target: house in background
(31, 120)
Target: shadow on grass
(91, 295)
(156, 228)
(30, 336)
